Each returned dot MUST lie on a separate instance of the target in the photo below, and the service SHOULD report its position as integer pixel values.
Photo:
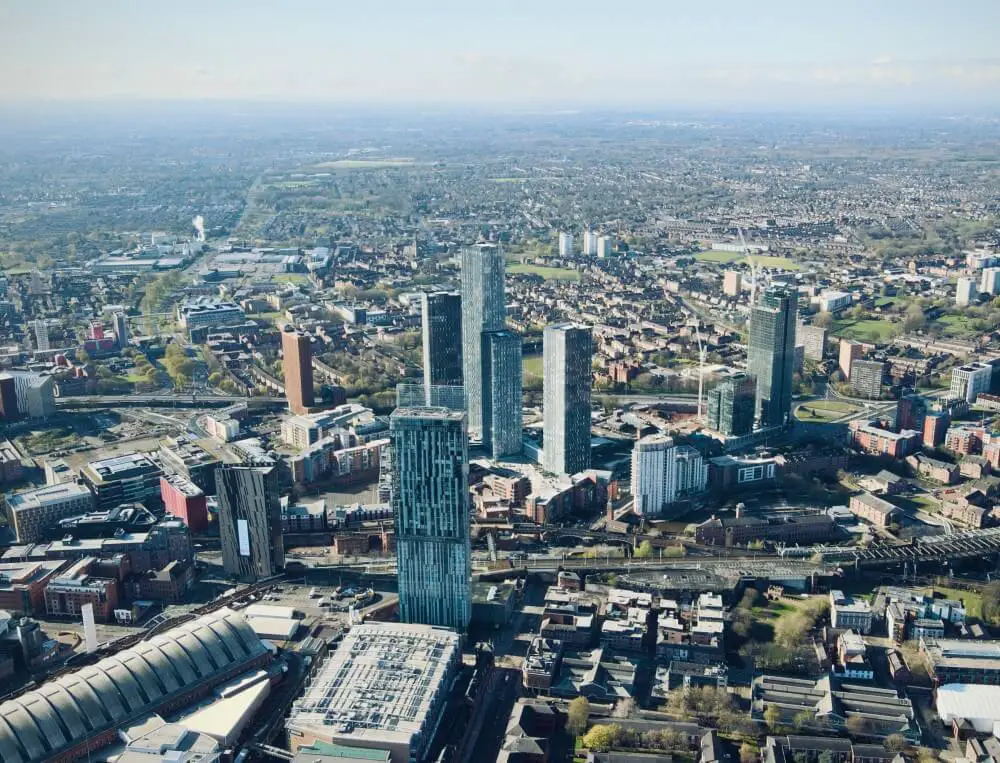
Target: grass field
(292, 277)
(956, 325)
(532, 365)
(864, 330)
(550, 274)
(765, 261)
(972, 600)
(824, 410)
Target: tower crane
(753, 266)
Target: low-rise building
(873, 509)
(873, 439)
(132, 478)
(962, 661)
(33, 513)
(934, 469)
(849, 613)
(541, 663)
(73, 587)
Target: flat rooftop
(43, 496)
(380, 683)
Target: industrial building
(81, 712)
(962, 661)
(384, 688)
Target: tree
(749, 753)
(857, 725)
(926, 755)
(914, 318)
(772, 717)
(895, 743)
(82, 357)
(624, 708)
(577, 715)
(802, 719)
(991, 602)
(824, 320)
(644, 551)
(826, 756)
(602, 737)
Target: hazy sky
(558, 52)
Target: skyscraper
(296, 347)
(567, 351)
(41, 335)
(483, 309)
(589, 242)
(731, 406)
(664, 473)
(849, 352)
(866, 378)
(502, 413)
(442, 329)
(120, 327)
(965, 292)
(250, 521)
(771, 356)
(430, 506)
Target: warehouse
(977, 704)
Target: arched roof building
(65, 712)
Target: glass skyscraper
(483, 309)
(568, 350)
(430, 505)
(502, 413)
(442, 335)
(771, 356)
(731, 406)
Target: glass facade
(430, 504)
(771, 356)
(483, 309)
(442, 337)
(568, 351)
(502, 413)
(731, 406)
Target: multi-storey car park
(384, 688)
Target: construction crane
(702, 353)
(753, 266)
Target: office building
(732, 282)
(969, 380)
(132, 478)
(384, 688)
(813, 339)
(771, 355)
(849, 352)
(866, 378)
(664, 473)
(296, 348)
(33, 513)
(430, 504)
(185, 500)
(848, 613)
(442, 338)
(119, 325)
(8, 398)
(989, 281)
(502, 417)
(965, 292)
(209, 313)
(605, 246)
(34, 393)
(568, 349)
(483, 309)
(250, 521)
(962, 661)
(731, 406)
(183, 455)
(41, 328)
(589, 243)
(834, 301)
(566, 245)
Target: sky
(556, 53)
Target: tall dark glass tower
(430, 505)
(731, 406)
(502, 380)
(442, 329)
(250, 521)
(771, 356)
(483, 309)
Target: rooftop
(121, 467)
(43, 496)
(380, 683)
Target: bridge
(959, 545)
(165, 401)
